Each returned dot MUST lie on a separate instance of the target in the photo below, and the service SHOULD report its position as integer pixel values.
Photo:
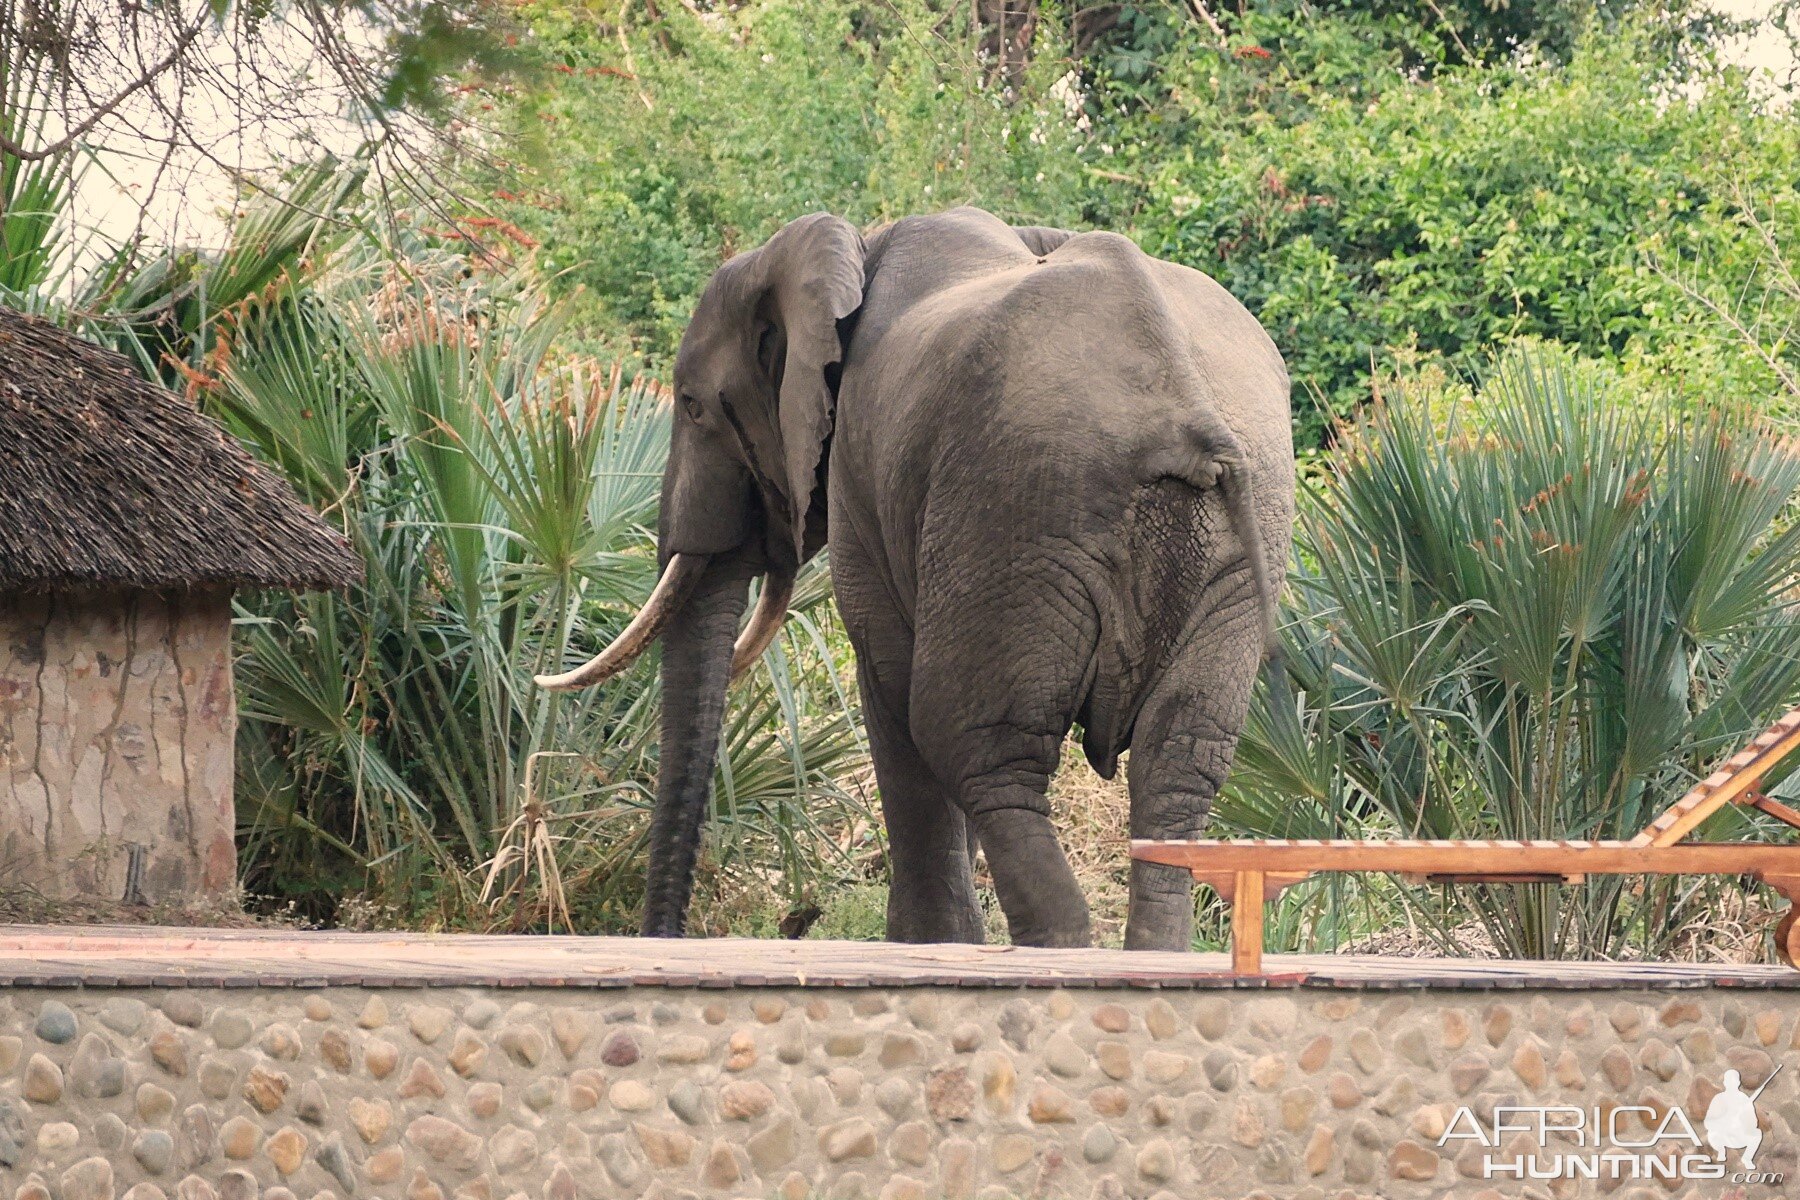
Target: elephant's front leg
(931, 889)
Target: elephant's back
(1092, 357)
(1040, 391)
(1093, 348)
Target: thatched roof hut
(109, 481)
(127, 520)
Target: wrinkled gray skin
(1051, 470)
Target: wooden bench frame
(1247, 874)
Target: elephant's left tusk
(678, 579)
(765, 623)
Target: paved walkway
(139, 956)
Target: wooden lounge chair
(1249, 873)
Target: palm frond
(1536, 610)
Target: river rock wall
(897, 1094)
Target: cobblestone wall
(429, 1094)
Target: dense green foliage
(1534, 610)
(1445, 217)
(650, 170)
(1371, 192)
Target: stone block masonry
(889, 1093)
(117, 726)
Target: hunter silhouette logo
(1731, 1119)
(1627, 1141)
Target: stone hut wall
(117, 723)
(927, 1093)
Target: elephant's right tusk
(671, 592)
(765, 623)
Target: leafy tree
(1446, 216)
(1379, 184)
(1128, 40)
(654, 150)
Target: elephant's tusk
(765, 623)
(671, 591)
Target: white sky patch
(186, 196)
(1766, 51)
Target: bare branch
(1204, 15)
(1730, 319)
(252, 86)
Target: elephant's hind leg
(1182, 747)
(995, 685)
(1037, 890)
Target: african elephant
(1053, 473)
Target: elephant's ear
(815, 278)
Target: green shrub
(1363, 212)
(1535, 610)
(854, 913)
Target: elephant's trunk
(671, 592)
(696, 669)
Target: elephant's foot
(1161, 916)
(1043, 903)
(933, 911)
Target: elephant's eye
(692, 405)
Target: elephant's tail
(1240, 504)
(1206, 454)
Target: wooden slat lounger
(1249, 873)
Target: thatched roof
(108, 481)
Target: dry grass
(1092, 816)
(1736, 930)
(1411, 941)
(27, 906)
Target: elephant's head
(755, 385)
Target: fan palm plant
(501, 496)
(1539, 610)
